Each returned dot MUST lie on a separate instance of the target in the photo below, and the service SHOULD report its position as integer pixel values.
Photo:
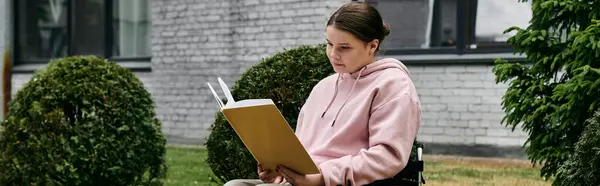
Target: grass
(187, 167)
(444, 170)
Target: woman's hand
(264, 176)
(300, 180)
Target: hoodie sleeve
(299, 121)
(393, 127)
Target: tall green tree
(583, 168)
(552, 95)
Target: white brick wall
(197, 41)
(4, 33)
(4, 26)
(461, 105)
(5, 17)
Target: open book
(265, 132)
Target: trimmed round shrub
(82, 121)
(583, 167)
(287, 78)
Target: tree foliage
(552, 96)
(583, 167)
(82, 121)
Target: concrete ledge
(176, 140)
(449, 59)
(488, 151)
(133, 66)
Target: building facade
(175, 46)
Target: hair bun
(386, 29)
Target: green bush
(82, 121)
(287, 78)
(552, 97)
(583, 167)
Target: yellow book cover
(265, 132)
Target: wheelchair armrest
(410, 175)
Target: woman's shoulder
(394, 78)
(390, 71)
(393, 83)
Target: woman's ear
(373, 46)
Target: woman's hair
(362, 20)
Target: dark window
(87, 35)
(42, 29)
(418, 24)
(450, 26)
(492, 17)
(114, 29)
(131, 28)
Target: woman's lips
(339, 64)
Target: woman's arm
(393, 127)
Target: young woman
(359, 124)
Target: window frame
(465, 36)
(108, 36)
(469, 21)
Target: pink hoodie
(360, 127)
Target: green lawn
(186, 167)
(466, 171)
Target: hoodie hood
(378, 65)
(371, 68)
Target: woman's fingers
(289, 172)
(287, 177)
(278, 179)
(260, 168)
(264, 176)
(283, 181)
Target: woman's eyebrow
(345, 43)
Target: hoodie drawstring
(347, 97)
(334, 95)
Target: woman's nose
(333, 54)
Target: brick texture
(197, 41)
(4, 25)
(5, 21)
(461, 105)
(5, 17)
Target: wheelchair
(411, 175)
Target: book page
(219, 102)
(226, 92)
(249, 103)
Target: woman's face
(346, 52)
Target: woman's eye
(344, 47)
